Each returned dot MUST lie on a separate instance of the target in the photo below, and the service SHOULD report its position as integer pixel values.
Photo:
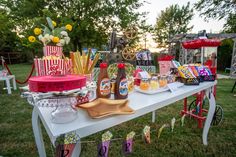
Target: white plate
(150, 92)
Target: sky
(155, 7)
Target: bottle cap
(121, 65)
(103, 65)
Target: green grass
(16, 136)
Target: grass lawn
(16, 136)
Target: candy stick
(87, 63)
(94, 63)
(75, 68)
(83, 60)
(78, 63)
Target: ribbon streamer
(173, 120)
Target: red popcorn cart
(209, 59)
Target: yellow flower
(31, 39)
(54, 23)
(55, 39)
(37, 31)
(69, 27)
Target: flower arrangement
(52, 35)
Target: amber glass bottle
(121, 87)
(103, 84)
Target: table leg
(210, 114)
(38, 133)
(153, 116)
(77, 150)
(8, 86)
(14, 83)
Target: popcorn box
(165, 64)
(164, 67)
(52, 51)
(45, 67)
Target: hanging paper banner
(65, 144)
(128, 143)
(161, 129)
(104, 146)
(172, 124)
(182, 120)
(146, 134)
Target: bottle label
(123, 88)
(105, 86)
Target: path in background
(220, 76)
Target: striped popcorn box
(53, 66)
(52, 51)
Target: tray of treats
(150, 92)
(105, 107)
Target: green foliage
(92, 20)
(216, 9)
(225, 54)
(173, 20)
(219, 9)
(230, 25)
(9, 39)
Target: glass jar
(130, 84)
(144, 84)
(154, 85)
(170, 78)
(163, 81)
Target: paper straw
(83, 61)
(73, 63)
(77, 57)
(87, 63)
(94, 62)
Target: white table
(141, 103)
(7, 79)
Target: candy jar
(154, 85)
(170, 78)
(163, 81)
(130, 84)
(144, 84)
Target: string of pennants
(65, 144)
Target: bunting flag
(182, 120)
(103, 147)
(146, 134)
(128, 143)
(161, 129)
(172, 124)
(65, 144)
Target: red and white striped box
(52, 51)
(52, 66)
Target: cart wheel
(192, 106)
(218, 115)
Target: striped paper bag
(53, 67)
(52, 51)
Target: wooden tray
(104, 107)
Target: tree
(92, 20)
(219, 9)
(173, 20)
(225, 54)
(9, 39)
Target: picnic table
(141, 103)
